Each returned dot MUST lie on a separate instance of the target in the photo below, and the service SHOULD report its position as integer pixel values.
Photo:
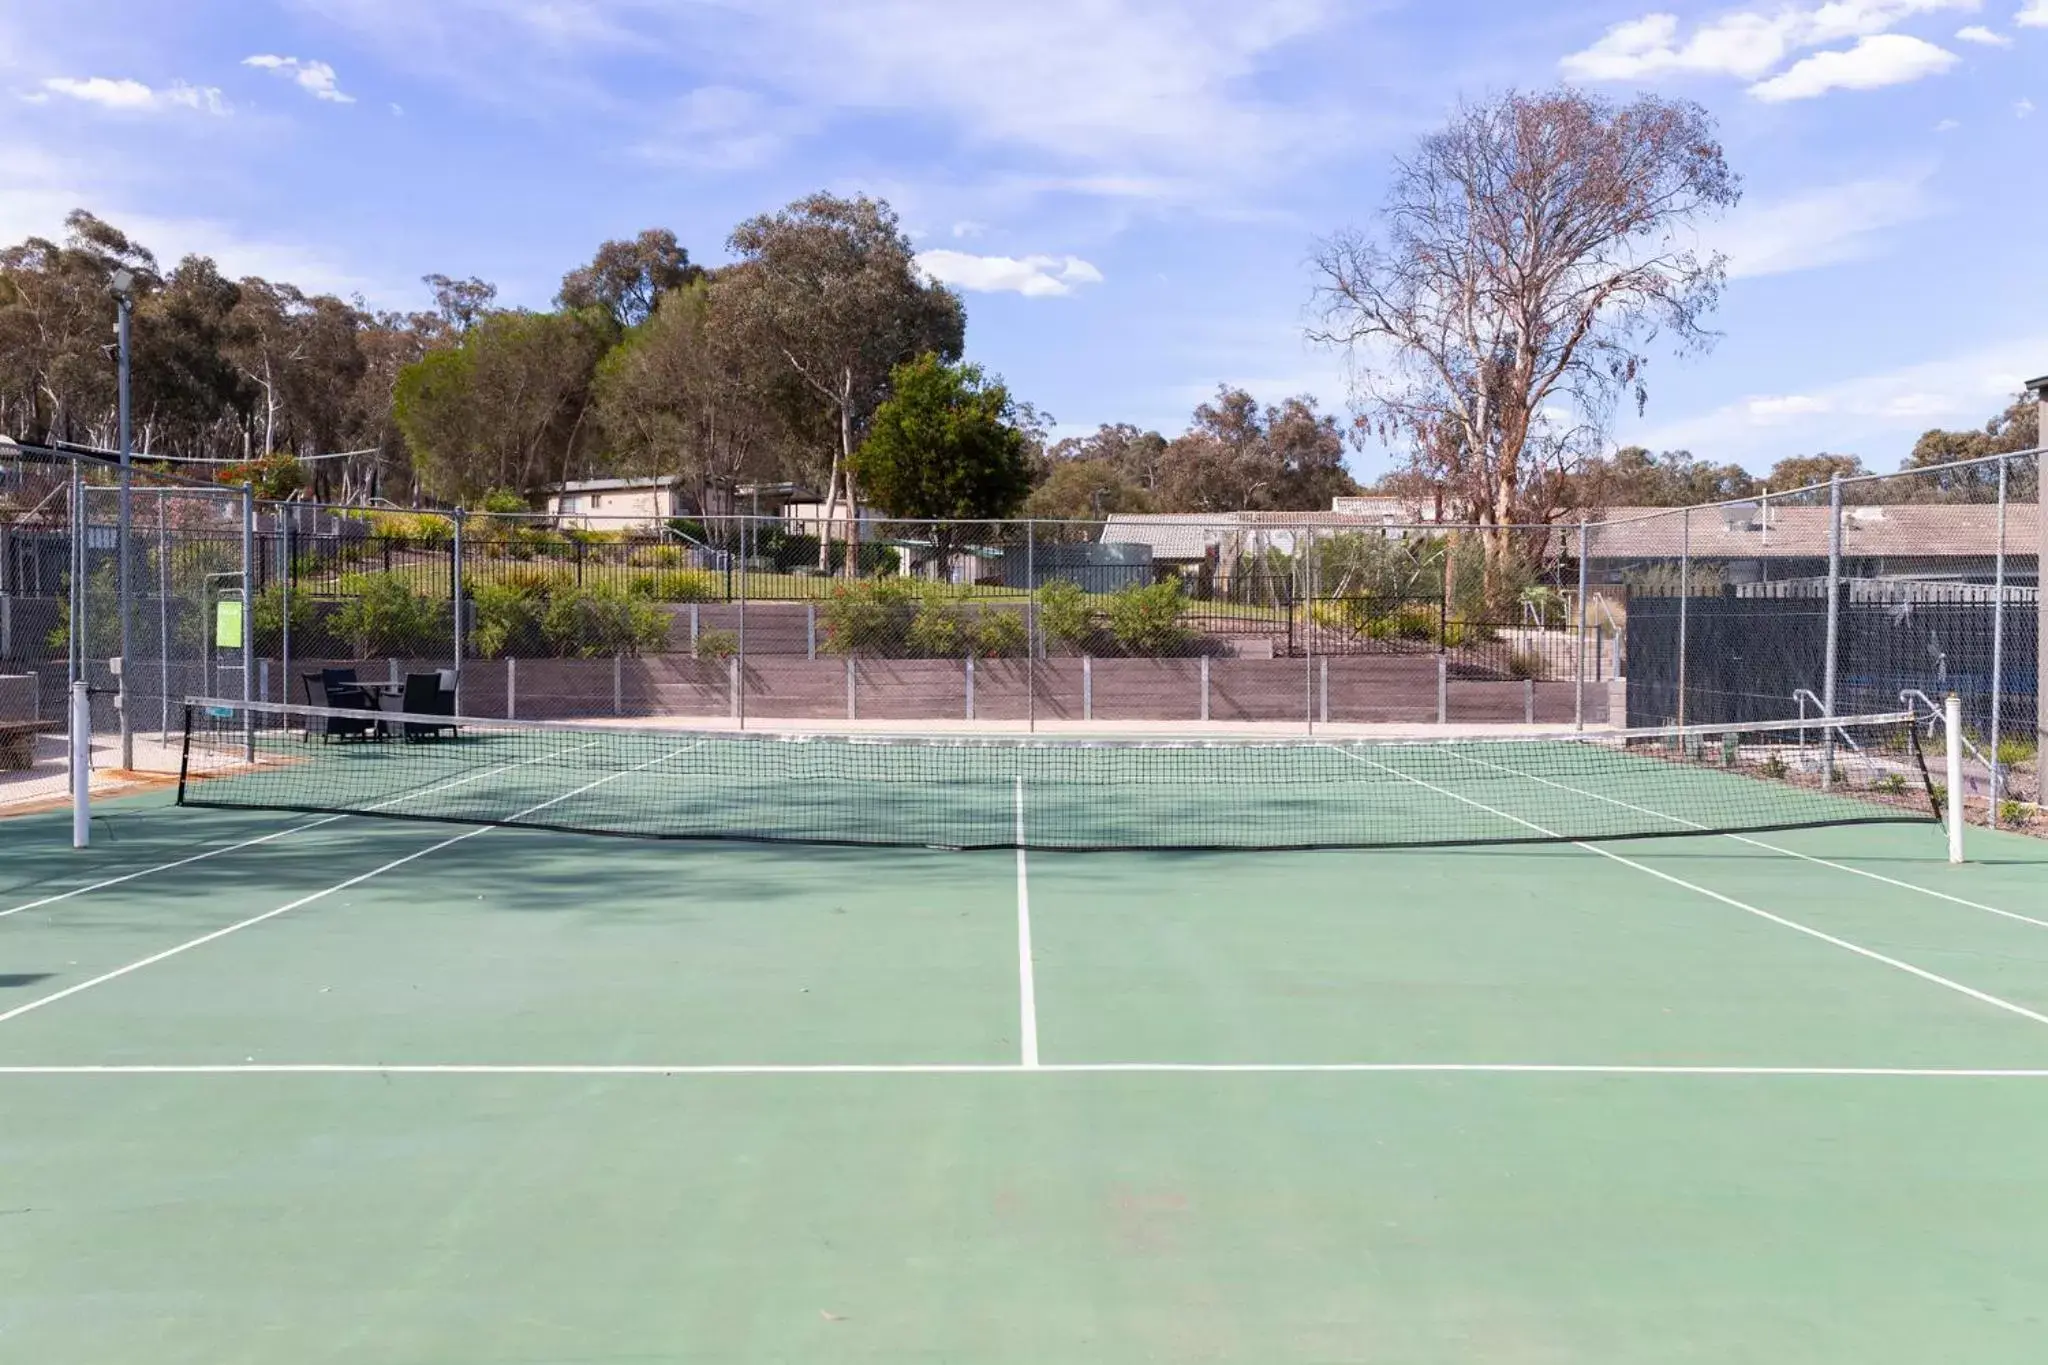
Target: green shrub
(1524, 664)
(2013, 750)
(1772, 767)
(2012, 812)
(675, 585)
(1411, 622)
(716, 644)
(506, 619)
(658, 557)
(943, 627)
(382, 614)
(268, 617)
(1891, 784)
(1466, 634)
(1001, 634)
(1146, 620)
(869, 618)
(590, 623)
(1064, 615)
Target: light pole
(122, 285)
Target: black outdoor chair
(337, 689)
(424, 696)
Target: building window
(596, 500)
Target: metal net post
(1307, 540)
(455, 598)
(249, 615)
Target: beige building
(617, 504)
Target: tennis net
(1057, 791)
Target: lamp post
(122, 286)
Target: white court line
(1014, 1069)
(281, 833)
(359, 878)
(1027, 986)
(1984, 997)
(1758, 843)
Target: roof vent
(1738, 516)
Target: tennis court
(286, 1085)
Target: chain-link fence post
(1579, 665)
(739, 661)
(76, 606)
(455, 600)
(1831, 666)
(1998, 646)
(125, 543)
(284, 592)
(163, 619)
(1684, 602)
(2040, 390)
(1031, 625)
(248, 620)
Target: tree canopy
(943, 446)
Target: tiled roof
(1911, 530)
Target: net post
(1952, 743)
(248, 620)
(1528, 701)
(1579, 667)
(1308, 628)
(811, 630)
(739, 662)
(1323, 689)
(852, 691)
(1205, 686)
(75, 656)
(1832, 661)
(1443, 689)
(79, 747)
(618, 684)
(970, 685)
(1087, 687)
(284, 535)
(511, 689)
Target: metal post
(284, 590)
(1323, 689)
(970, 687)
(1952, 718)
(511, 689)
(2039, 388)
(1579, 668)
(852, 692)
(122, 307)
(1832, 662)
(455, 603)
(163, 620)
(739, 663)
(79, 732)
(618, 684)
(1087, 687)
(1684, 602)
(1443, 689)
(1308, 630)
(1998, 647)
(248, 621)
(77, 605)
(1528, 701)
(1205, 687)
(1030, 625)
(810, 630)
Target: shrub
(1465, 634)
(871, 618)
(2012, 812)
(1146, 620)
(1526, 664)
(590, 623)
(658, 557)
(268, 618)
(1891, 784)
(1772, 767)
(382, 614)
(1064, 615)
(506, 619)
(1001, 634)
(535, 580)
(1411, 622)
(716, 644)
(943, 627)
(2013, 750)
(675, 585)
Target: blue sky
(1127, 191)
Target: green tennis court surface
(407, 1093)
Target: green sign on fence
(227, 625)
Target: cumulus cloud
(1784, 407)
(315, 78)
(1872, 64)
(2033, 14)
(1948, 125)
(1982, 36)
(2022, 107)
(133, 97)
(1747, 45)
(1031, 276)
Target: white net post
(79, 734)
(1952, 744)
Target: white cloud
(719, 128)
(1948, 125)
(317, 79)
(1744, 44)
(1873, 63)
(1982, 36)
(1876, 415)
(2033, 14)
(1765, 411)
(1817, 227)
(2022, 107)
(132, 97)
(1031, 276)
(967, 227)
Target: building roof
(609, 485)
(1896, 530)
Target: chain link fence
(1837, 599)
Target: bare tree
(1527, 255)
